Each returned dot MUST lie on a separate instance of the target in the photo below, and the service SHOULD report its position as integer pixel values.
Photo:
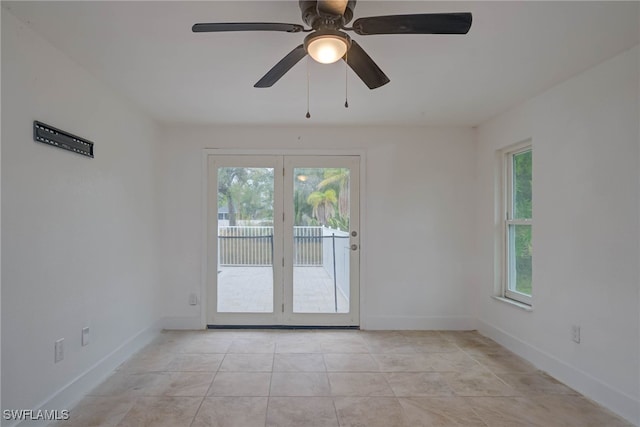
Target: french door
(283, 240)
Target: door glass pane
(245, 239)
(321, 240)
(520, 252)
(522, 185)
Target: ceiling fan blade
(332, 7)
(281, 68)
(426, 23)
(246, 26)
(364, 67)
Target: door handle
(354, 247)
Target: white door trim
(207, 152)
(351, 318)
(245, 161)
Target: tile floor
(332, 378)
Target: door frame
(245, 161)
(205, 282)
(351, 318)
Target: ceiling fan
(327, 41)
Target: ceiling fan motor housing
(315, 20)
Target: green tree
(321, 196)
(522, 177)
(254, 196)
(338, 178)
(228, 178)
(339, 222)
(323, 204)
(306, 181)
(522, 209)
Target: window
(517, 270)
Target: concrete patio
(250, 290)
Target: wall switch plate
(575, 333)
(59, 351)
(193, 299)
(85, 336)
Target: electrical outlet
(193, 299)
(59, 351)
(575, 333)
(85, 336)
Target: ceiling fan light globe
(327, 49)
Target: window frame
(508, 220)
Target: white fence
(336, 248)
(307, 247)
(242, 245)
(253, 245)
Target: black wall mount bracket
(61, 139)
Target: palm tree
(340, 178)
(323, 204)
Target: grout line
(333, 402)
(266, 412)
(214, 377)
(193, 420)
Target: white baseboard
(69, 395)
(453, 323)
(176, 323)
(616, 401)
(456, 323)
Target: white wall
(638, 264)
(586, 227)
(78, 234)
(0, 230)
(417, 184)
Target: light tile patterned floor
(327, 378)
(250, 290)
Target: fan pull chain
(346, 80)
(308, 115)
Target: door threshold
(281, 327)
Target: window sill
(513, 303)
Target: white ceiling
(514, 50)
